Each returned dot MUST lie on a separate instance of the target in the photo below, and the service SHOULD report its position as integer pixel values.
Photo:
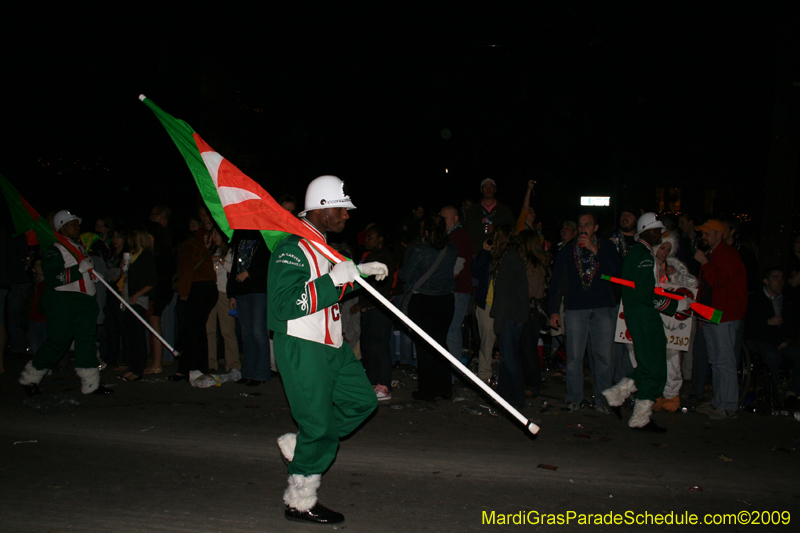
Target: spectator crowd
(487, 282)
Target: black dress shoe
(102, 391)
(32, 389)
(243, 381)
(652, 427)
(616, 411)
(319, 514)
(178, 377)
(253, 383)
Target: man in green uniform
(643, 309)
(328, 391)
(71, 310)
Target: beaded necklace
(586, 264)
(451, 230)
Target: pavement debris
(54, 402)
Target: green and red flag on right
(235, 200)
(28, 221)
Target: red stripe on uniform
(312, 290)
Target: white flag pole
(142, 320)
(533, 428)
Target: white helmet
(649, 221)
(62, 217)
(326, 191)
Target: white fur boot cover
(617, 394)
(287, 443)
(302, 491)
(90, 379)
(31, 375)
(642, 409)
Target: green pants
(650, 346)
(329, 395)
(70, 316)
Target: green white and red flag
(28, 221)
(235, 200)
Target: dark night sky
(585, 97)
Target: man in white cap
(71, 310)
(486, 215)
(328, 392)
(643, 309)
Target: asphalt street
(166, 457)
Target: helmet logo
(322, 202)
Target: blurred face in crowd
(418, 212)
(216, 238)
(729, 234)
(567, 233)
(289, 206)
(627, 222)
(194, 225)
(155, 216)
(488, 190)
(117, 241)
(587, 226)
(774, 282)
(450, 216)
(205, 218)
(465, 205)
(100, 227)
(711, 238)
(663, 251)
(373, 241)
(686, 225)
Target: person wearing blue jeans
(253, 318)
(247, 290)
(590, 307)
(584, 326)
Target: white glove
(379, 270)
(85, 265)
(344, 273)
(683, 305)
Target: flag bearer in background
(328, 391)
(643, 308)
(71, 310)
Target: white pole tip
(142, 97)
(533, 428)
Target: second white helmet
(324, 192)
(649, 221)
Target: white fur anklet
(302, 491)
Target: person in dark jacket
(510, 311)
(771, 331)
(432, 306)
(197, 293)
(140, 280)
(247, 290)
(376, 321)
